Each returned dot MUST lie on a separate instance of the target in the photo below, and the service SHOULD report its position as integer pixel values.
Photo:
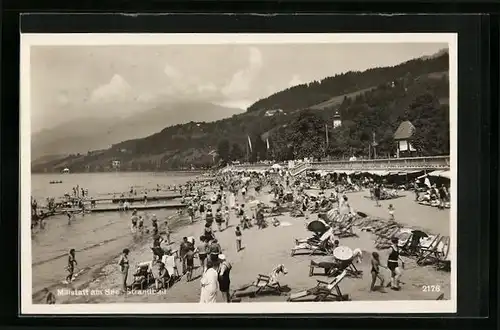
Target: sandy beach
(264, 249)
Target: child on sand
(226, 216)
(391, 212)
(238, 239)
(219, 219)
(376, 272)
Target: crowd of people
(224, 203)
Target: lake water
(97, 238)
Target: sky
(71, 82)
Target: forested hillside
(371, 103)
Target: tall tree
(223, 150)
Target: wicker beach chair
(323, 291)
(333, 267)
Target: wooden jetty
(131, 199)
(114, 208)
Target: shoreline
(108, 276)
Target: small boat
(55, 182)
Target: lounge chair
(171, 266)
(323, 291)
(143, 276)
(345, 230)
(436, 253)
(264, 283)
(323, 247)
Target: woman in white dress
(209, 284)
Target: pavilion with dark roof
(403, 137)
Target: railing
(394, 164)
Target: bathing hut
(65, 170)
(337, 121)
(404, 139)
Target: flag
(326, 133)
(267, 143)
(249, 143)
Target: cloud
(242, 80)
(118, 89)
(295, 81)
(207, 88)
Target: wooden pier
(114, 208)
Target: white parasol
(276, 167)
(343, 253)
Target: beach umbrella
(343, 253)
(326, 235)
(317, 226)
(331, 214)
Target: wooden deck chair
(323, 291)
(264, 283)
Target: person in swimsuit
(183, 249)
(375, 271)
(191, 213)
(391, 212)
(50, 298)
(140, 224)
(393, 264)
(209, 217)
(215, 249)
(443, 197)
(202, 209)
(167, 233)
(124, 267)
(224, 279)
(238, 238)
(134, 219)
(226, 216)
(71, 265)
(376, 194)
(70, 217)
(189, 260)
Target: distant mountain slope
(375, 108)
(83, 135)
(307, 95)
